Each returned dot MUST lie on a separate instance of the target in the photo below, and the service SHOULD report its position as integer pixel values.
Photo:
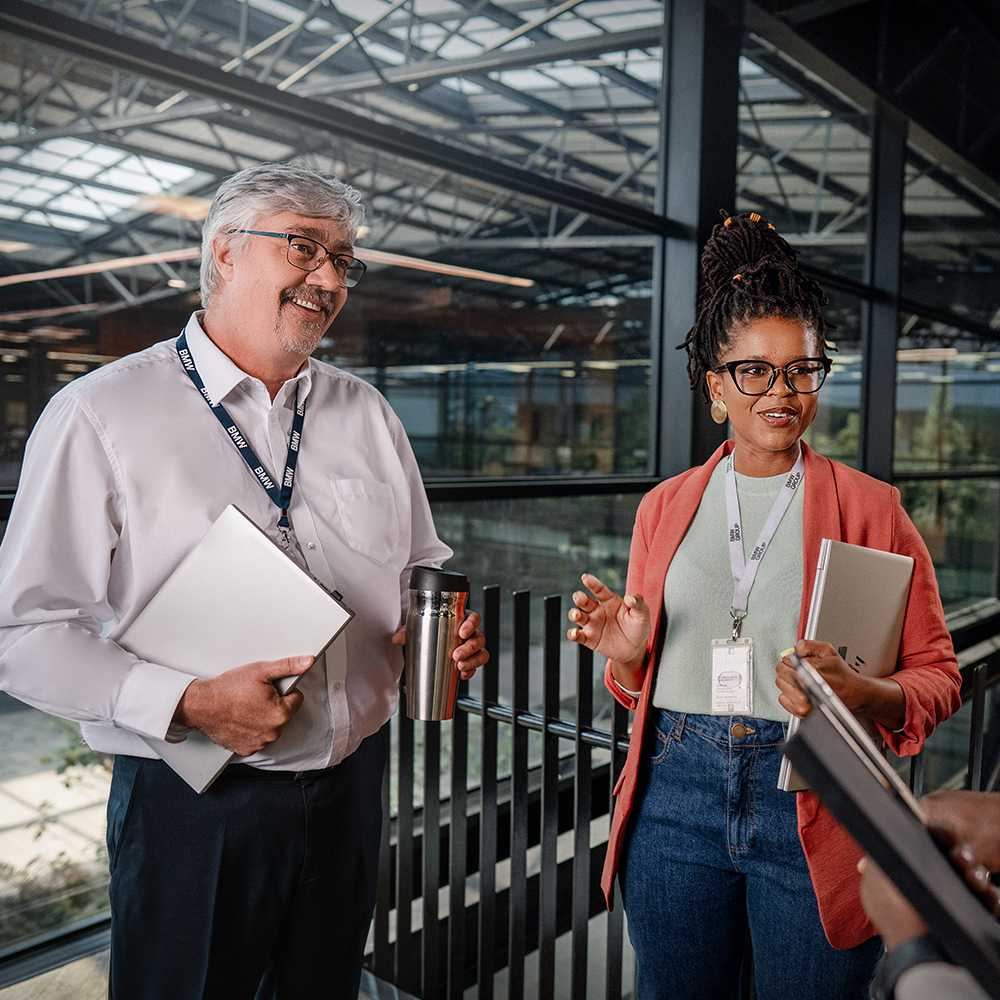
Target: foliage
(73, 754)
(46, 895)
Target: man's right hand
(241, 709)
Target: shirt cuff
(621, 687)
(148, 699)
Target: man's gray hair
(266, 190)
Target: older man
(263, 885)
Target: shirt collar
(221, 375)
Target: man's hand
(241, 709)
(887, 907)
(975, 819)
(470, 654)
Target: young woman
(706, 847)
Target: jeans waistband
(736, 730)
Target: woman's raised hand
(616, 627)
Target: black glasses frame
(731, 367)
(349, 282)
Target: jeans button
(739, 731)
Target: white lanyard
(744, 575)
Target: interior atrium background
(530, 185)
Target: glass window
(951, 255)
(803, 159)
(536, 365)
(834, 431)
(947, 401)
(958, 519)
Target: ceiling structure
(519, 137)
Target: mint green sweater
(698, 593)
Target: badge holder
(732, 677)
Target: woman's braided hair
(748, 272)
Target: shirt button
(310, 545)
(336, 685)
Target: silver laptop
(235, 598)
(858, 605)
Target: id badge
(732, 677)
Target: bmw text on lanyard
(282, 497)
(744, 575)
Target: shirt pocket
(369, 516)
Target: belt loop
(298, 775)
(679, 725)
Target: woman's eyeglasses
(755, 378)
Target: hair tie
(737, 278)
(754, 217)
(729, 219)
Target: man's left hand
(471, 653)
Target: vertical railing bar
(917, 762)
(431, 880)
(458, 833)
(549, 835)
(583, 813)
(518, 896)
(407, 955)
(382, 959)
(974, 780)
(615, 919)
(488, 800)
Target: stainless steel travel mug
(437, 608)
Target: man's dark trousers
(261, 888)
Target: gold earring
(719, 412)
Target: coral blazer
(845, 505)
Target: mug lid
(443, 580)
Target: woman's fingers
(597, 588)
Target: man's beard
(307, 335)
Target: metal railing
(477, 923)
(491, 908)
(487, 868)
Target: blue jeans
(713, 853)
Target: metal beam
(879, 315)
(435, 70)
(90, 41)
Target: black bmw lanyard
(280, 497)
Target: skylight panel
(54, 184)
(528, 80)
(282, 11)
(78, 205)
(19, 177)
(80, 169)
(114, 199)
(129, 180)
(42, 160)
(458, 47)
(32, 196)
(66, 146)
(380, 51)
(54, 221)
(573, 75)
(10, 152)
(103, 155)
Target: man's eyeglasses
(307, 255)
(754, 378)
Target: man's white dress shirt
(128, 467)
